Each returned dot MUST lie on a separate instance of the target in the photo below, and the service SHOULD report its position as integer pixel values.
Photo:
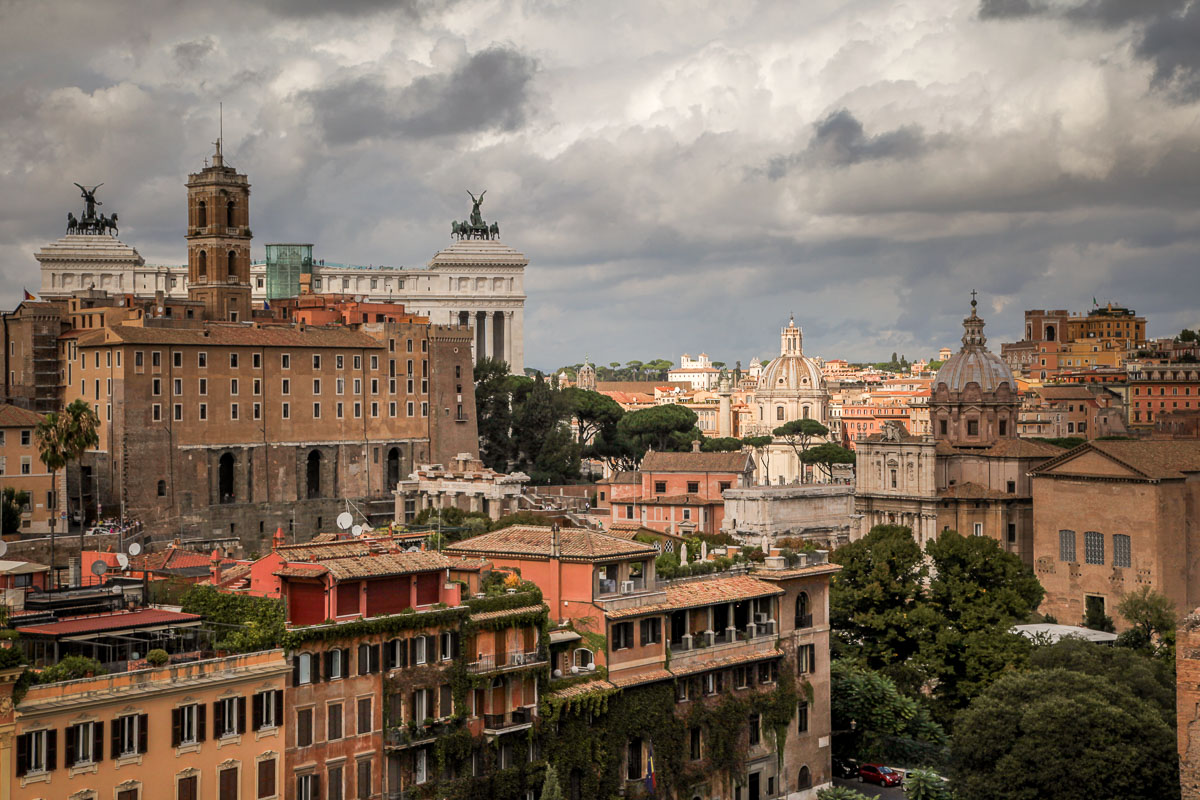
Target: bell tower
(218, 235)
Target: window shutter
(22, 754)
(218, 719)
(316, 669)
(412, 651)
(278, 708)
(97, 742)
(446, 705)
(296, 670)
(201, 722)
(327, 657)
(257, 709)
(51, 751)
(455, 646)
(176, 726)
(316, 787)
(241, 715)
(143, 732)
(413, 706)
(402, 652)
(72, 734)
(431, 649)
(115, 730)
(374, 658)
(389, 655)
(364, 659)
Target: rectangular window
(256, 360)
(258, 411)
(285, 361)
(201, 359)
(316, 362)
(268, 709)
(227, 716)
(1066, 546)
(334, 716)
(304, 727)
(374, 363)
(203, 411)
(203, 386)
(622, 635)
(138, 359)
(364, 782)
(82, 741)
(178, 386)
(651, 631)
(806, 658)
(693, 487)
(287, 386)
(178, 412)
(340, 411)
(755, 729)
(694, 750)
(802, 717)
(358, 410)
(1122, 551)
(420, 766)
(358, 362)
(365, 721)
(307, 787)
(177, 358)
(978, 529)
(287, 411)
(340, 361)
(188, 788)
(972, 427)
(227, 784)
(337, 785)
(1093, 547)
(156, 412)
(316, 410)
(660, 487)
(186, 723)
(316, 385)
(130, 737)
(156, 387)
(233, 360)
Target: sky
(681, 175)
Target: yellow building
(205, 729)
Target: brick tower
(218, 237)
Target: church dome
(974, 363)
(792, 372)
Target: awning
(564, 636)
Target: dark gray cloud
(189, 55)
(1172, 43)
(303, 9)
(1116, 13)
(840, 140)
(487, 92)
(1007, 9)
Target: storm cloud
(679, 181)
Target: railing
(518, 716)
(804, 621)
(684, 656)
(514, 658)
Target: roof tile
(577, 544)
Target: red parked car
(877, 773)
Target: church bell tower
(218, 235)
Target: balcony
(804, 621)
(517, 719)
(510, 660)
(688, 652)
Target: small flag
(651, 784)
(29, 295)
(266, 306)
(1094, 301)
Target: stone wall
(1187, 704)
(824, 513)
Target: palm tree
(50, 435)
(81, 435)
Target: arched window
(229, 214)
(202, 263)
(225, 478)
(1049, 333)
(162, 488)
(804, 781)
(779, 412)
(393, 467)
(583, 657)
(313, 474)
(805, 411)
(803, 612)
(202, 214)
(232, 264)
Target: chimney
(695, 445)
(278, 540)
(214, 566)
(554, 540)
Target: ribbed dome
(974, 363)
(792, 371)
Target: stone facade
(464, 484)
(29, 358)
(1113, 516)
(896, 482)
(824, 514)
(1187, 704)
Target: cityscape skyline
(863, 167)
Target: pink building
(679, 492)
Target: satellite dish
(135, 549)
(356, 530)
(413, 549)
(99, 568)
(3, 547)
(123, 560)
(345, 520)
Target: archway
(202, 264)
(202, 214)
(313, 474)
(1050, 333)
(804, 781)
(225, 478)
(393, 467)
(803, 616)
(229, 214)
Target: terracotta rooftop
(575, 544)
(507, 612)
(372, 566)
(1066, 393)
(737, 461)
(319, 551)
(796, 572)
(233, 335)
(115, 621)
(628, 530)
(702, 593)
(1023, 448)
(1155, 459)
(727, 661)
(581, 690)
(15, 417)
(623, 477)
